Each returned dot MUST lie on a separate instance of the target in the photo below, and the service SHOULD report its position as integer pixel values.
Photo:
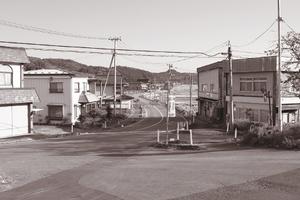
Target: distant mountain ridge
(130, 74)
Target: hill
(130, 74)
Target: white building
(64, 96)
(15, 101)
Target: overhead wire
(106, 49)
(47, 31)
(256, 38)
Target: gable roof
(87, 97)
(13, 55)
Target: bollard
(105, 124)
(191, 136)
(72, 128)
(227, 128)
(158, 136)
(235, 133)
(177, 131)
(187, 125)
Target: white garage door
(13, 120)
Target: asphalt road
(123, 165)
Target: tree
(291, 51)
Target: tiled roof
(87, 97)
(18, 95)
(46, 72)
(13, 55)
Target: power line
(107, 49)
(107, 53)
(47, 31)
(291, 28)
(67, 51)
(259, 36)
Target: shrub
(242, 125)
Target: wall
(236, 83)
(209, 77)
(75, 96)
(42, 85)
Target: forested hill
(130, 74)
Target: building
(64, 96)
(15, 100)
(254, 91)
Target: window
(260, 84)
(55, 112)
(253, 84)
(212, 88)
(204, 87)
(76, 87)
(6, 75)
(246, 84)
(56, 87)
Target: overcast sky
(181, 25)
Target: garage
(15, 121)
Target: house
(64, 96)
(254, 91)
(15, 100)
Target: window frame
(56, 90)
(8, 71)
(246, 81)
(77, 87)
(55, 117)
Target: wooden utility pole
(231, 111)
(279, 20)
(115, 40)
(191, 85)
(168, 104)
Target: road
(123, 165)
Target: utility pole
(168, 106)
(231, 111)
(115, 40)
(279, 20)
(191, 85)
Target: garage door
(13, 120)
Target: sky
(176, 25)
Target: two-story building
(64, 96)
(15, 100)
(254, 91)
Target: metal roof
(87, 97)
(18, 95)
(46, 72)
(13, 55)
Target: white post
(235, 133)
(227, 128)
(191, 136)
(187, 125)
(158, 136)
(72, 128)
(177, 130)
